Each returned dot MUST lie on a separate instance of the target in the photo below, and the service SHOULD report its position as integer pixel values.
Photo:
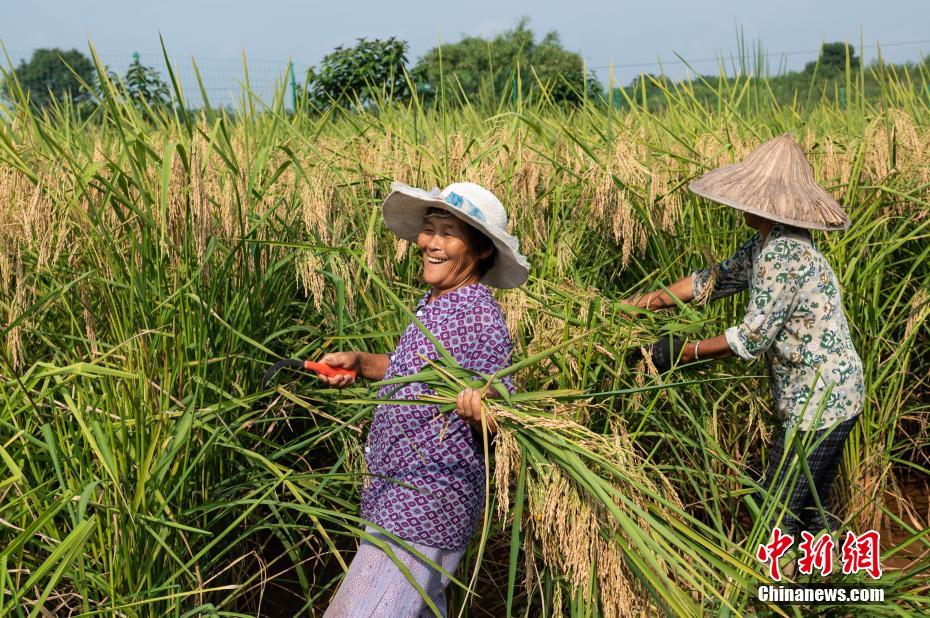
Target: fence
(223, 78)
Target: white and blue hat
(406, 206)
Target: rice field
(153, 263)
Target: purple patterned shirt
(427, 483)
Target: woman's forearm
(372, 366)
(715, 347)
(659, 299)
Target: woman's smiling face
(449, 262)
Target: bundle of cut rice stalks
(595, 509)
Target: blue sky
(622, 33)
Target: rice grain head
(507, 460)
(310, 276)
(918, 313)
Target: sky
(617, 32)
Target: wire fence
(223, 78)
(767, 56)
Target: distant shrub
(369, 71)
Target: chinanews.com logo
(859, 553)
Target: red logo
(861, 553)
(780, 544)
(816, 553)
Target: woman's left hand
(469, 406)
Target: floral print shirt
(427, 467)
(795, 319)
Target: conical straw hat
(775, 182)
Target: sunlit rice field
(152, 266)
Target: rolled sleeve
(735, 341)
(732, 274)
(773, 298)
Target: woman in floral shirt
(794, 319)
(427, 483)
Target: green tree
(368, 72)
(54, 74)
(482, 68)
(144, 85)
(833, 58)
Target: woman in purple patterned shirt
(428, 470)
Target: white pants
(375, 586)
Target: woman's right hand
(346, 360)
(639, 302)
(660, 298)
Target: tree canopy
(144, 85)
(369, 71)
(833, 58)
(478, 68)
(54, 74)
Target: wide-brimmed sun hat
(406, 206)
(775, 182)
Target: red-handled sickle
(319, 368)
(328, 370)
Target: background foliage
(53, 74)
(144, 86)
(511, 63)
(360, 75)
